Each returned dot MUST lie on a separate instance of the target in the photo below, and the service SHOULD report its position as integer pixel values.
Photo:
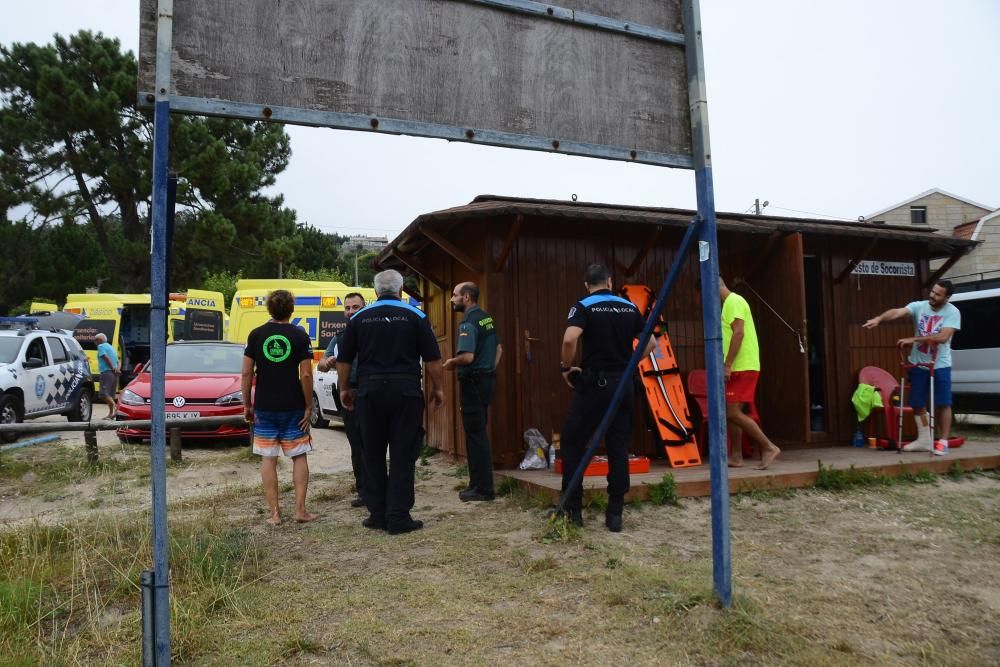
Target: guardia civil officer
(389, 338)
(477, 354)
(607, 325)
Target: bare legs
(300, 476)
(269, 477)
(738, 421)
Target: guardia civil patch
(277, 348)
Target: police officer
(389, 338)
(476, 357)
(353, 302)
(607, 325)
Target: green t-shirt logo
(277, 348)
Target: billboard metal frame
(705, 228)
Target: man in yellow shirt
(742, 368)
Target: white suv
(326, 398)
(42, 372)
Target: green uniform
(477, 384)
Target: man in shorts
(935, 321)
(280, 355)
(109, 369)
(741, 369)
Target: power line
(822, 215)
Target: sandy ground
(897, 575)
(207, 467)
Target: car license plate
(182, 415)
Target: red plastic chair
(698, 388)
(887, 387)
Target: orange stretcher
(665, 395)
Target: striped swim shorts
(278, 432)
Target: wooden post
(175, 445)
(90, 442)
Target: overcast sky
(833, 108)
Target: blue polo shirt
(102, 350)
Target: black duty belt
(389, 377)
(477, 375)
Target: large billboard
(604, 78)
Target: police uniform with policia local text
(477, 384)
(609, 325)
(389, 338)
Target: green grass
(426, 452)
(664, 492)
(71, 593)
(833, 479)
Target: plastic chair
(697, 385)
(887, 387)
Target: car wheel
(11, 412)
(83, 409)
(316, 419)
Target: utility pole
(357, 251)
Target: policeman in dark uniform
(353, 302)
(608, 325)
(389, 338)
(477, 354)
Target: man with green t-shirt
(742, 368)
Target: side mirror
(138, 368)
(33, 362)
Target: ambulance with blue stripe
(319, 308)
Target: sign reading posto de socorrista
(876, 268)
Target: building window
(918, 215)
(878, 222)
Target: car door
(38, 376)
(64, 379)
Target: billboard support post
(158, 334)
(708, 261)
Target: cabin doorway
(819, 411)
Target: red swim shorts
(741, 386)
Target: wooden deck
(794, 469)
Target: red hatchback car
(202, 380)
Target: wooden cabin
(810, 284)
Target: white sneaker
(940, 447)
(918, 445)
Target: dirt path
(50, 482)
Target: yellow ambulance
(124, 319)
(42, 307)
(319, 308)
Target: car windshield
(9, 347)
(204, 359)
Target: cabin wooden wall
(530, 295)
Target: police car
(326, 398)
(42, 372)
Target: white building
(959, 217)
